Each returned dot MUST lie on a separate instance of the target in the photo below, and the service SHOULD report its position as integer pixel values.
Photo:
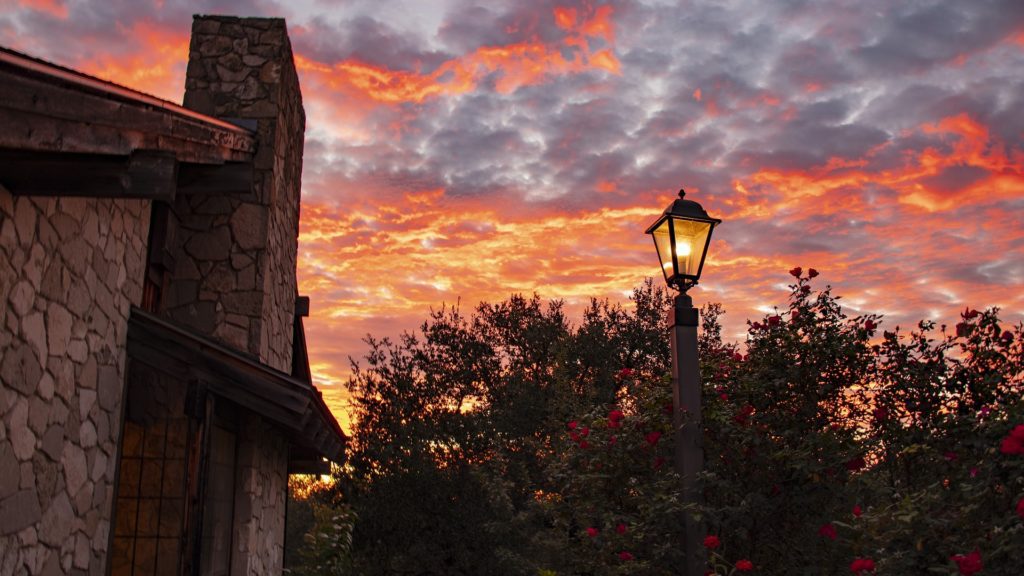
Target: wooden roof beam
(149, 174)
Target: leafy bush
(513, 442)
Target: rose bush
(829, 447)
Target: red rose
(969, 564)
(723, 397)
(584, 432)
(774, 320)
(870, 325)
(880, 413)
(805, 289)
(812, 273)
(950, 456)
(862, 565)
(744, 565)
(1020, 508)
(974, 472)
(970, 314)
(612, 440)
(572, 425)
(658, 462)
(575, 437)
(584, 444)
(1014, 441)
(736, 356)
(743, 415)
(616, 415)
(626, 373)
(857, 511)
(625, 556)
(668, 409)
(621, 528)
(1007, 336)
(593, 532)
(828, 531)
(755, 326)
(711, 542)
(797, 272)
(652, 437)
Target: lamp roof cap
(688, 209)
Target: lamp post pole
(686, 420)
(681, 236)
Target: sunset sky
(468, 150)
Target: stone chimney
(234, 276)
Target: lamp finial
(682, 193)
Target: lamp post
(681, 236)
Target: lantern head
(682, 235)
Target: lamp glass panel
(663, 243)
(690, 238)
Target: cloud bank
(469, 150)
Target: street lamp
(681, 236)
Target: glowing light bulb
(667, 266)
(682, 250)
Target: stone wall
(70, 269)
(236, 268)
(260, 495)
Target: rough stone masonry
(70, 268)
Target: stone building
(154, 384)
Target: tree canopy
(513, 441)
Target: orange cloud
(565, 18)
(438, 249)
(519, 64)
(156, 67)
(972, 146)
(55, 8)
